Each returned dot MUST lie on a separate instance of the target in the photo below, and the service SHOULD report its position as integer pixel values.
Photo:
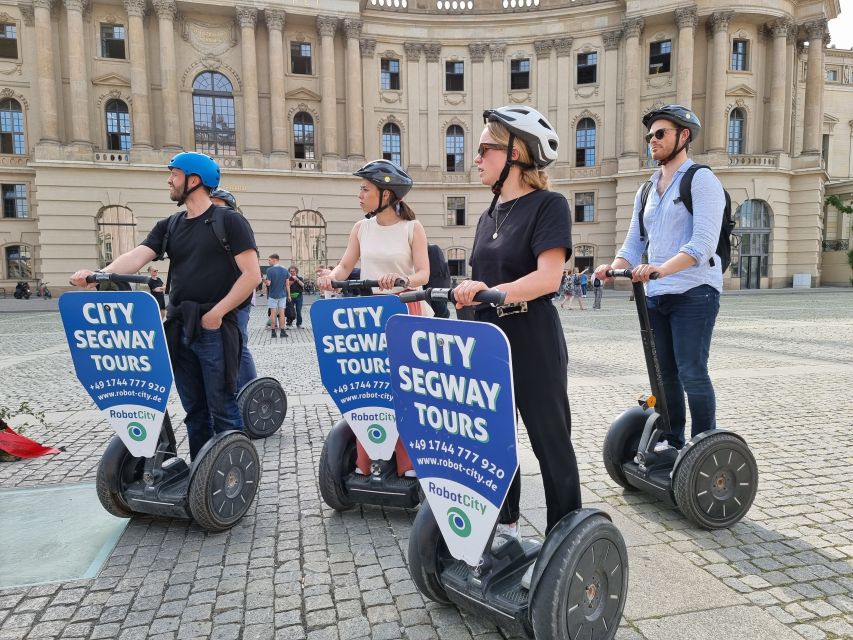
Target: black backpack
(685, 195)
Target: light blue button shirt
(671, 229)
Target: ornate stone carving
(43, 4)
(10, 93)
(477, 51)
(113, 94)
(779, 28)
(633, 27)
(519, 97)
(28, 14)
(165, 9)
(209, 39)
(327, 25)
(432, 51)
(353, 28)
(454, 99)
(543, 48)
(497, 50)
(719, 21)
(211, 63)
(612, 39)
(816, 29)
(247, 17)
(390, 96)
(367, 46)
(134, 8)
(686, 18)
(563, 46)
(79, 5)
(413, 51)
(586, 113)
(274, 19)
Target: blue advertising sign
(351, 350)
(452, 384)
(118, 346)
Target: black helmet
(227, 196)
(386, 175)
(678, 115)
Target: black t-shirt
(199, 267)
(295, 286)
(539, 221)
(154, 283)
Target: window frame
(392, 153)
(460, 77)
(121, 136)
(586, 149)
(454, 262)
(21, 193)
(592, 197)
(578, 67)
(744, 56)
(668, 55)
(513, 74)
(459, 165)
(13, 135)
(30, 275)
(391, 74)
(16, 25)
(292, 60)
(456, 214)
(313, 144)
(101, 41)
(742, 138)
(216, 98)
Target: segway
(362, 394)
(120, 356)
(464, 447)
(713, 479)
(263, 406)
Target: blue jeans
(200, 381)
(297, 303)
(682, 325)
(248, 372)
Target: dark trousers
(297, 305)
(682, 325)
(540, 366)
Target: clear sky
(841, 29)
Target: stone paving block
(727, 622)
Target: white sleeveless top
(386, 249)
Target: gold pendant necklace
(498, 226)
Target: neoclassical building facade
(291, 96)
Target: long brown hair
(531, 176)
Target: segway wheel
(263, 407)
(426, 550)
(116, 470)
(716, 481)
(225, 482)
(582, 591)
(337, 460)
(621, 443)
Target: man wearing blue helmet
(210, 277)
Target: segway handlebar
(363, 284)
(100, 276)
(626, 273)
(489, 296)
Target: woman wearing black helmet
(520, 247)
(391, 245)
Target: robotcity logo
(136, 431)
(376, 434)
(459, 522)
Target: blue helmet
(199, 164)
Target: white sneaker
(411, 473)
(661, 446)
(360, 472)
(528, 576)
(504, 533)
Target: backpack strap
(684, 187)
(170, 227)
(644, 196)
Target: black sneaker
(284, 334)
(272, 334)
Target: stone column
(141, 120)
(715, 103)
(778, 30)
(78, 77)
(686, 19)
(477, 52)
(611, 79)
(543, 58)
(435, 143)
(497, 54)
(813, 103)
(633, 27)
(564, 87)
(370, 96)
(248, 18)
(326, 26)
(166, 12)
(46, 74)
(355, 134)
(417, 150)
(278, 117)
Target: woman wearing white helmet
(520, 247)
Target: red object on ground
(21, 446)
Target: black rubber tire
(116, 470)
(582, 591)
(332, 472)
(263, 407)
(224, 483)
(621, 444)
(716, 481)
(426, 550)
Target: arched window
(737, 118)
(303, 137)
(213, 115)
(585, 143)
(11, 127)
(454, 146)
(19, 262)
(118, 126)
(308, 241)
(584, 255)
(391, 143)
(456, 262)
(750, 256)
(116, 228)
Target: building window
(587, 68)
(585, 207)
(213, 115)
(19, 262)
(15, 201)
(455, 148)
(750, 255)
(116, 229)
(832, 75)
(456, 263)
(8, 41)
(112, 41)
(455, 211)
(519, 74)
(11, 127)
(585, 143)
(454, 76)
(659, 56)
(389, 75)
(303, 136)
(308, 241)
(300, 58)
(391, 143)
(118, 126)
(736, 129)
(740, 48)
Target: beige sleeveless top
(386, 249)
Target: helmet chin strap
(392, 201)
(677, 150)
(496, 188)
(187, 192)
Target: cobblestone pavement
(293, 568)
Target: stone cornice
(274, 18)
(432, 51)
(686, 18)
(327, 25)
(477, 51)
(352, 28)
(633, 27)
(612, 39)
(247, 17)
(165, 8)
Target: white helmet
(532, 127)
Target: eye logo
(459, 522)
(136, 431)
(376, 434)
(387, 178)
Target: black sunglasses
(483, 148)
(659, 134)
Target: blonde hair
(531, 176)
